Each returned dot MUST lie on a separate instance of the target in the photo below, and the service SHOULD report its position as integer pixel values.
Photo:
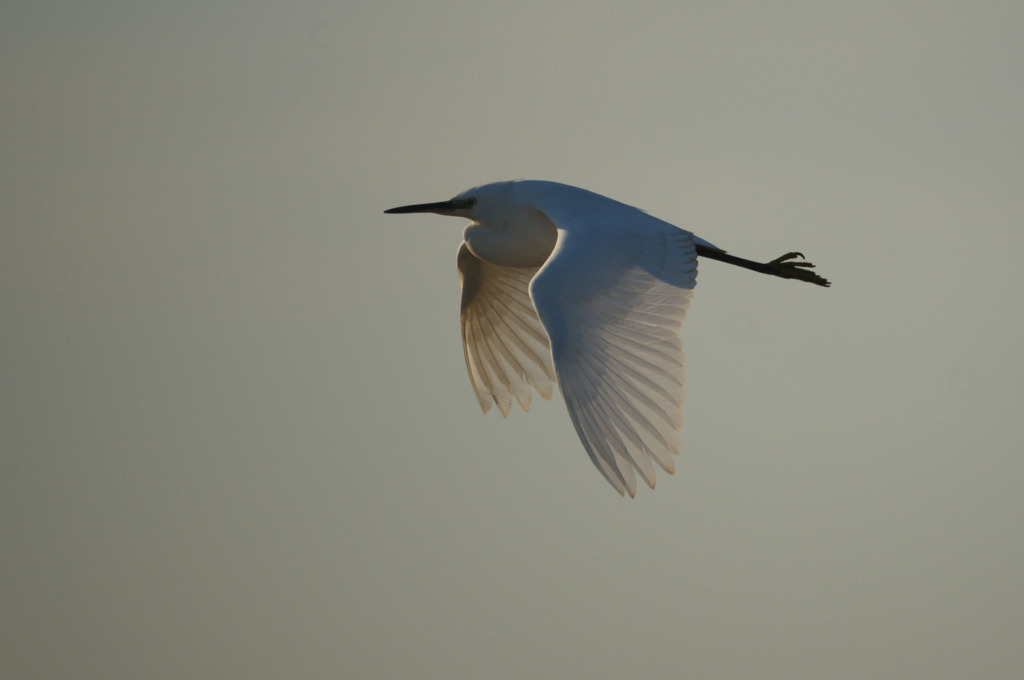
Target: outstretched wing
(506, 347)
(612, 298)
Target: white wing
(506, 346)
(612, 298)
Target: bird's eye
(469, 203)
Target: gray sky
(238, 438)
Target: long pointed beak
(441, 208)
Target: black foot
(781, 266)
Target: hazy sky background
(237, 436)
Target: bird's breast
(524, 242)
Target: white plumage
(563, 285)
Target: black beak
(441, 208)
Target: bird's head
(486, 204)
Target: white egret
(560, 284)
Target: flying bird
(562, 285)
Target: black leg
(780, 266)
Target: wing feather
(613, 298)
(505, 345)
